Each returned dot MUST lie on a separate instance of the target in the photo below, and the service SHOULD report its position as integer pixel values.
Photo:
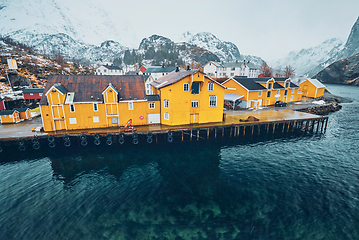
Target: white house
(148, 80)
(231, 69)
(109, 70)
(156, 71)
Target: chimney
(177, 69)
(188, 68)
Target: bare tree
(266, 70)
(288, 72)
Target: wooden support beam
(223, 132)
(244, 130)
(252, 130)
(274, 127)
(191, 136)
(215, 133)
(326, 124)
(283, 127)
(259, 129)
(230, 132)
(197, 135)
(182, 135)
(207, 133)
(322, 120)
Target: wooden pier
(235, 126)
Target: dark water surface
(282, 188)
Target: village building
(109, 70)
(156, 71)
(189, 97)
(312, 88)
(84, 102)
(292, 91)
(2, 104)
(253, 94)
(148, 80)
(32, 93)
(24, 113)
(231, 69)
(9, 116)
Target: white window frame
(278, 91)
(293, 90)
(166, 103)
(212, 101)
(291, 98)
(166, 116)
(259, 93)
(286, 92)
(96, 119)
(194, 104)
(210, 86)
(130, 105)
(186, 87)
(95, 107)
(72, 121)
(151, 105)
(72, 107)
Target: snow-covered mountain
(312, 60)
(305, 60)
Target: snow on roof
(316, 83)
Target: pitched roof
(172, 77)
(277, 86)
(249, 83)
(112, 67)
(265, 79)
(316, 83)
(21, 109)
(7, 112)
(33, 90)
(281, 79)
(292, 85)
(89, 88)
(157, 69)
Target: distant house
(231, 69)
(32, 93)
(24, 113)
(189, 97)
(312, 88)
(156, 71)
(109, 70)
(9, 116)
(2, 104)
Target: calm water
(285, 188)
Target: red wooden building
(32, 93)
(2, 104)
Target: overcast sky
(269, 29)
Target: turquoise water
(282, 188)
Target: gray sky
(269, 29)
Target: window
(185, 87)
(151, 105)
(95, 107)
(96, 119)
(195, 88)
(194, 104)
(10, 116)
(269, 85)
(99, 70)
(166, 103)
(278, 91)
(130, 105)
(72, 108)
(268, 94)
(233, 69)
(291, 98)
(287, 85)
(114, 120)
(31, 94)
(4, 116)
(210, 86)
(167, 116)
(293, 90)
(104, 70)
(232, 74)
(286, 92)
(40, 94)
(213, 101)
(259, 93)
(72, 121)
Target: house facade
(254, 94)
(189, 97)
(231, 69)
(148, 80)
(9, 116)
(109, 70)
(312, 88)
(24, 113)
(84, 102)
(32, 93)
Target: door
(194, 118)
(305, 90)
(154, 118)
(59, 125)
(59, 117)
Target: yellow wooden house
(189, 97)
(9, 116)
(312, 88)
(250, 94)
(24, 113)
(96, 101)
(292, 91)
